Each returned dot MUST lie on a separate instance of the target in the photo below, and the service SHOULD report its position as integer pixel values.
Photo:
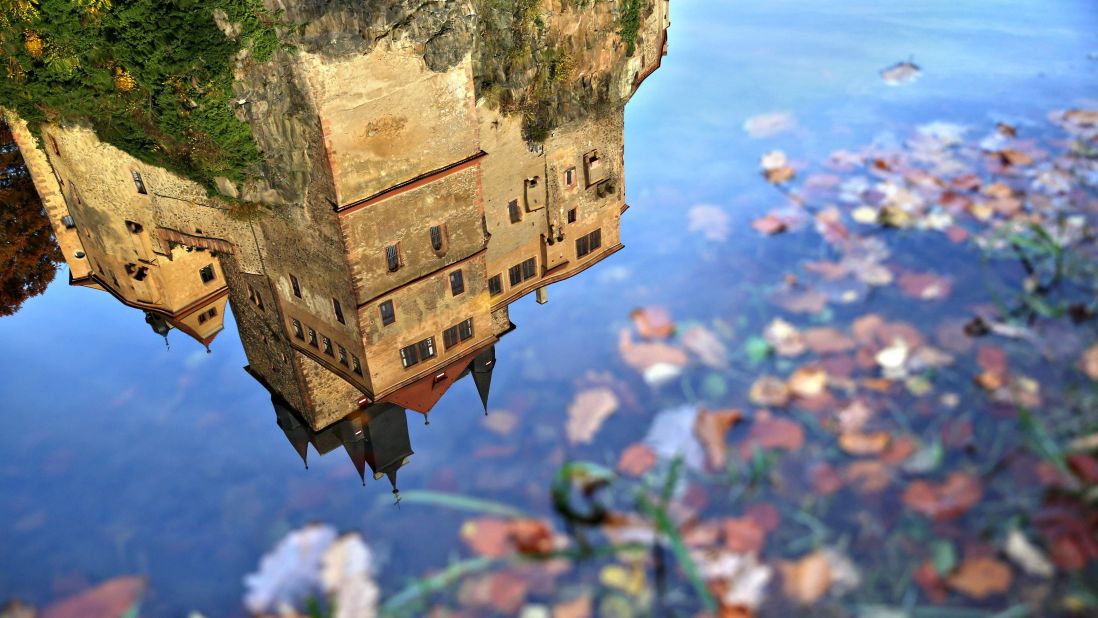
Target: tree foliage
(153, 77)
(28, 251)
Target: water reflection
(424, 211)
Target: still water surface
(120, 456)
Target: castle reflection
(421, 212)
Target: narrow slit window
(570, 176)
(343, 356)
(298, 331)
(388, 313)
(356, 366)
(202, 318)
(338, 311)
(392, 257)
(207, 273)
(457, 282)
(312, 337)
(212, 312)
(495, 285)
(436, 237)
(514, 211)
(296, 286)
(572, 215)
(327, 345)
(139, 183)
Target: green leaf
(944, 556)
(757, 349)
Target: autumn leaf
(808, 579)
(980, 577)
(947, 500)
(500, 590)
(579, 607)
(1089, 362)
(653, 322)
(769, 391)
(858, 443)
(824, 479)
(868, 476)
(784, 338)
(768, 432)
(636, 459)
(650, 358)
(487, 536)
(799, 299)
(711, 428)
(587, 412)
(808, 381)
(113, 598)
(770, 224)
(775, 168)
(925, 286)
(705, 344)
(826, 340)
(743, 535)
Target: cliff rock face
(549, 62)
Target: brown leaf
(784, 338)
(931, 582)
(111, 599)
(808, 381)
(799, 299)
(825, 480)
(808, 579)
(858, 443)
(827, 340)
(769, 391)
(768, 432)
(587, 412)
(1089, 362)
(653, 322)
(770, 224)
(868, 476)
(980, 577)
(1010, 156)
(579, 607)
(743, 535)
(925, 286)
(501, 590)
(706, 346)
(531, 536)
(636, 459)
(764, 514)
(487, 536)
(952, 498)
(711, 428)
(642, 356)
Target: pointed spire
(392, 474)
(426, 418)
(356, 450)
(482, 374)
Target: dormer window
(138, 182)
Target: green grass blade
(458, 502)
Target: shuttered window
(495, 285)
(392, 257)
(529, 269)
(514, 274)
(436, 237)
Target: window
(137, 182)
(134, 227)
(202, 318)
(212, 312)
(312, 337)
(298, 332)
(254, 296)
(392, 257)
(355, 365)
(582, 246)
(343, 356)
(596, 239)
(572, 216)
(570, 176)
(514, 210)
(465, 330)
(495, 285)
(327, 345)
(529, 268)
(295, 286)
(458, 333)
(388, 314)
(207, 273)
(514, 274)
(417, 352)
(68, 222)
(438, 238)
(457, 282)
(338, 311)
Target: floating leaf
(768, 432)
(587, 412)
(858, 443)
(711, 429)
(808, 381)
(636, 459)
(775, 168)
(784, 338)
(770, 224)
(743, 535)
(925, 286)
(653, 322)
(947, 500)
(706, 345)
(827, 340)
(114, 598)
(769, 391)
(806, 580)
(1026, 555)
(1089, 362)
(980, 577)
